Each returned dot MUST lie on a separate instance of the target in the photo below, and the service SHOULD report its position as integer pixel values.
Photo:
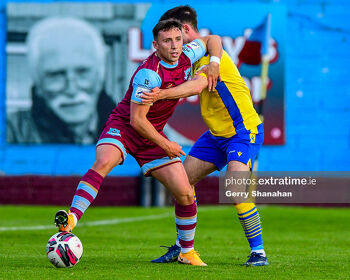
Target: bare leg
(238, 170)
(174, 178)
(237, 166)
(197, 169)
(107, 157)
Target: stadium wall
(317, 98)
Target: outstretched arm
(186, 89)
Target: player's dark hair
(165, 25)
(184, 14)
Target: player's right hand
(212, 72)
(150, 97)
(173, 150)
(213, 75)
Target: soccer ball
(64, 249)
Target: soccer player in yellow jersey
(235, 132)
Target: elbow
(135, 123)
(217, 37)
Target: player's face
(169, 45)
(68, 78)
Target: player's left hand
(212, 71)
(150, 97)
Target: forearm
(148, 131)
(214, 46)
(186, 89)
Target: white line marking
(111, 221)
(96, 223)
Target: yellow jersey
(229, 109)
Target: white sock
(260, 251)
(75, 219)
(186, 250)
(177, 243)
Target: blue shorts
(242, 147)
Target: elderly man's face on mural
(68, 73)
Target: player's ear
(155, 45)
(185, 28)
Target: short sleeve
(194, 50)
(144, 81)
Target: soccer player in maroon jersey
(137, 129)
(234, 137)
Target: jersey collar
(166, 65)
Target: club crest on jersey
(252, 138)
(114, 132)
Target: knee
(104, 163)
(185, 197)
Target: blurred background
(42, 155)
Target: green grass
(301, 243)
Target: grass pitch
(301, 243)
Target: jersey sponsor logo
(114, 132)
